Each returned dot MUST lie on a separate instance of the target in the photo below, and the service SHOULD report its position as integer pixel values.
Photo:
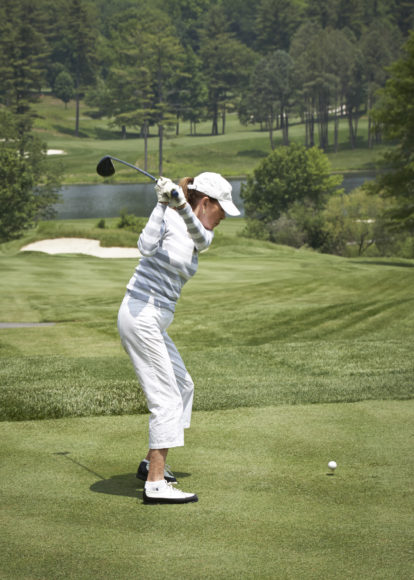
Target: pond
(103, 200)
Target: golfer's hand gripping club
(168, 192)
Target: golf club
(105, 168)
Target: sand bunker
(80, 246)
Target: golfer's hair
(192, 196)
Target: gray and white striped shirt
(169, 245)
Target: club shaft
(134, 167)
(174, 193)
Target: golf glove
(162, 188)
(179, 199)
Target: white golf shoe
(164, 492)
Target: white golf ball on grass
(332, 465)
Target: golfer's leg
(183, 378)
(141, 329)
(157, 459)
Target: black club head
(105, 167)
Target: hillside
(259, 325)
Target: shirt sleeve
(151, 236)
(201, 237)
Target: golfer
(178, 229)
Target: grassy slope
(236, 153)
(259, 325)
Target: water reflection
(103, 200)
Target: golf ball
(332, 465)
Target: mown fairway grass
(259, 325)
(267, 507)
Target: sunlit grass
(259, 325)
(72, 507)
(234, 154)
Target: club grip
(174, 193)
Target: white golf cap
(215, 186)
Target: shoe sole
(163, 500)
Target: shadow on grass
(195, 135)
(108, 134)
(374, 262)
(257, 153)
(125, 484)
(70, 132)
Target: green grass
(297, 357)
(267, 508)
(259, 325)
(234, 154)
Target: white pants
(164, 379)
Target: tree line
(152, 64)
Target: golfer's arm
(151, 235)
(201, 237)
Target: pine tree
(227, 64)
(23, 53)
(79, 40)
(395, 113)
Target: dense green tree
(23, 53)
(352, 15)
(301, 51)
(343, 54)
(313, 51)
(78, 41)
(189, 95)
(354, 93)
(227, 64)
(358, 16)
(275, 23)
(123, 90)
(270, 93)
(404, 16)
(380, 45)
(395, 113)
(142, 79)
(328, 66)
(288, 176)
(323, 12)
(63, 87)
(28, 183)
(240, 15)
(188, 16)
